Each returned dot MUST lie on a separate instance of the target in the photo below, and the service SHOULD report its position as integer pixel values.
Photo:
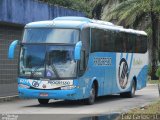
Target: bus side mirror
(77, 50)
(12, 49)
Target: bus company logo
(123, 73)
(35, 84)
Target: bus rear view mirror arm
(12, 47)
(77, 50)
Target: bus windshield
(42, 61)
(50, 35)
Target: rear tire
(43, 101)
(92, 96)
(131, 93)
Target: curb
(9, 98)
(151, 84)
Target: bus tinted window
(96, 40)
(50, 35)
(109, 43)
(130, 42)
(141, 44)
(114, 41)
(102, 41)
(120, 45)
(85, 38)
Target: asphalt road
(103, 105)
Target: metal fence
(8, 68)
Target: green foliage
(149, 70)
(158, 72)
(129, 11)
(149, 109)
(86, 6)
(133, 12)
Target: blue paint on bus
(68, 69)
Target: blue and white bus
(74, 58)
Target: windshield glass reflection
(54, 62)
(50, 35)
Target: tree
(134, 12)
(97, 7)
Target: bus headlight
(68, 87)
(23, 86)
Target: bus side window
(138, 44)
(130, 43)
(82, 66)
(109, 41)
(133, 42)
(97, 40)
(143, 43)
(85, 37)
(119, 45)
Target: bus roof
(79, 23)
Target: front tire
(43, 101)
(92, 96)
(131, 93)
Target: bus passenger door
(110, 74)
(108, 81)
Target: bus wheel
(43, 101)
(131, 93)
(92, 96)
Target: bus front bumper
(73, 94)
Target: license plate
(43, 94)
